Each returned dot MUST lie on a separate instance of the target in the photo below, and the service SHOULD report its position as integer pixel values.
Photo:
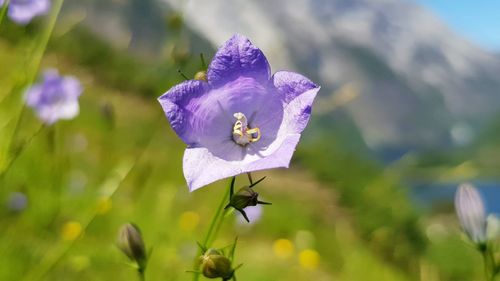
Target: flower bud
(175, 21)
(215, 265)
(131, 243)
(201, 75)
(108, 114)
(243, 198)
(493, 227)
(471, 212)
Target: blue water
(426, 194)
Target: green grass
(121, 151)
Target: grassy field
(119, 161)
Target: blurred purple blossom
(241, 119)
(22, 11)
(471, 212)
(254, 214)
(17, 201)
(56, 97)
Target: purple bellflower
(471, 212)
(56, 97)
(240, 119)
(22, 11)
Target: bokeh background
(409, 108)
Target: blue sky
(477, 20)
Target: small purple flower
(471, 212)
(241, 119)
(22, 11)
(56, 97)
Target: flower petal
(23, 11)
(298, 111)
(493, 227)
(201, 167)
(280, 158)
(56, 97)
(238, 57)
(291, 85)
(33, 95)
(177, 103)
(68, 110)
(72, 87)
(51, 113)
(215, 121)
(471, 212)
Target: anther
(242, 134)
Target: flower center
(242, 134)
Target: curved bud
(215, 265)
(131, 243)
(471, 212)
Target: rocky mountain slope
(418, 83)
(412, 83)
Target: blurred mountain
(416, 79)
(413, 83)
(148, 28)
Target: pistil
(242, 134)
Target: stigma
(242, 134)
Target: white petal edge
(202, 168)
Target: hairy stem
(213, 229)
(215, 223)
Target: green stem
(213, 229)
(215, 223)
(489, 264)
(250, 178)
(44, 40)
(54, 142)
(495, 268)
(142, 275)
(18, 153)
(56, 252)
(35, 61)
(217, 228)
(3, 11)
(116, 180)
(486, 271)
(13, 138)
